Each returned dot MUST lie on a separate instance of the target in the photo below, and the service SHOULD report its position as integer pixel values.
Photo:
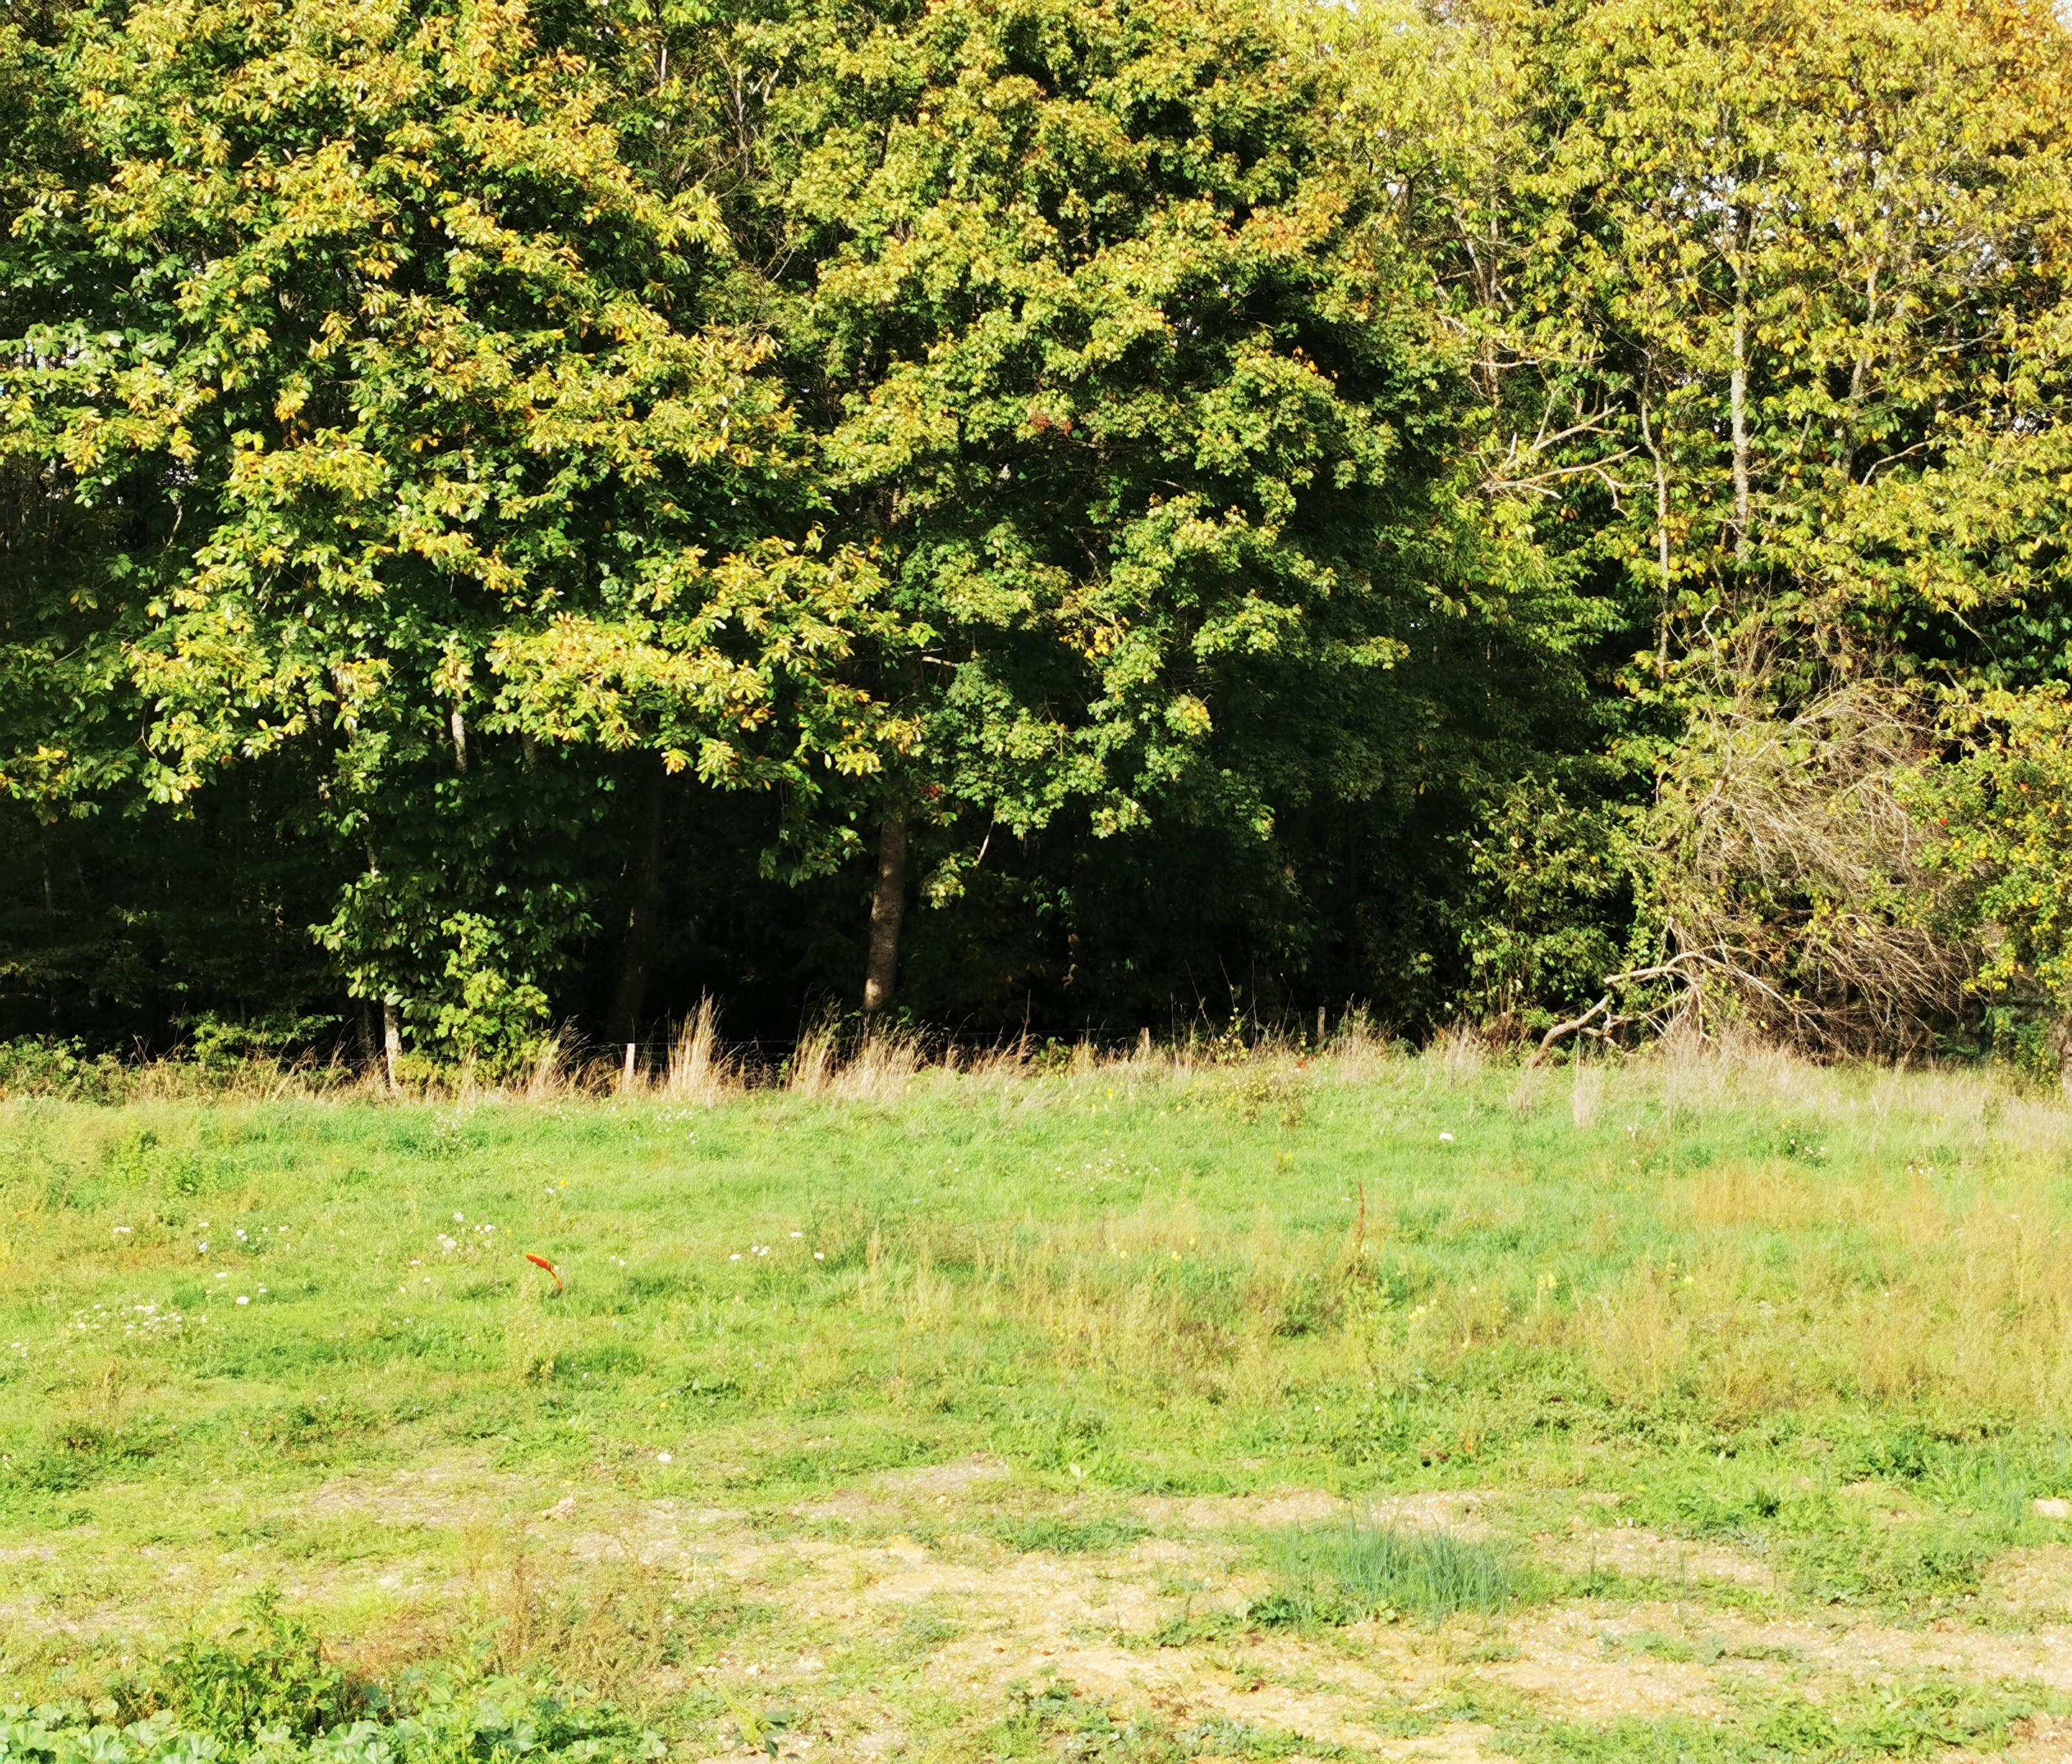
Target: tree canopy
(1036, 515)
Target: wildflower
(735, 1257)
(122, 1231)
(222, 1277)
(243, 1300)
(665, 1458)
(1445, 1138)
(460, 1218)
(202, 1248)
(795, 1233)
(241, 1237)
(819, 1257)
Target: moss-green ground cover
(1011, 1415)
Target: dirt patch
(1564, 1666)
(892, 1495)
(1639, 1553)
(1225, 1513)
(1462, 1512)
(454, 1491)
(2032, 1581)
(944, 1478)
(1855, 1650)
(2045, 1740)
(866, 1633)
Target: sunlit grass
(1726, 1290)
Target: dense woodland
(1047, 516)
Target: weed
(269, 1674)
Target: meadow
(1345, 1404)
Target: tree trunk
(886, 905)
(643, 912)
(391, 1040)
(1661, 541)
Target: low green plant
(435, 1719)
(268, 1675)
(1755, 1388)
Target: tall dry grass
(698, 1071)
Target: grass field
(1710, 1408)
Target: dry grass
(697, 1071)
(882, 1065)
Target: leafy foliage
(1255, 508)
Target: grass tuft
(1350, 1572)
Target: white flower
(665, 1458)
(243, 1300)
(819, 1257)
(735, 1257)
(122, 1231)
(262, 1291)
(241, 1237)
(798, 1234)
(460, 1218)
(222, 1277)
(1445, 1138)
(203, 1247)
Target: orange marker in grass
(541, 1262)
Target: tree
(1784, 310)
(1153, 440)
(447, 453)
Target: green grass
(1822, 1320)
(1350, 1572)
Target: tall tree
(1154, 442)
